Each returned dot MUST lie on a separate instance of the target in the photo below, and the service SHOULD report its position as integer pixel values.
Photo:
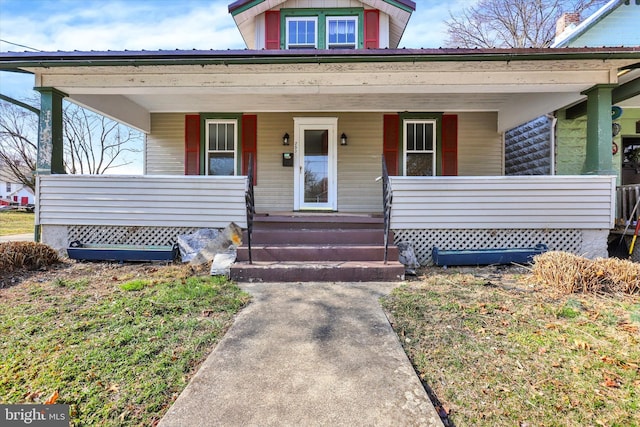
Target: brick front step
(317, 252)
(339, 271)
(317, 237)
(308, 222)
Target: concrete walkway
(312, 354)
(17, 238)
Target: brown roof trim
(241, 3)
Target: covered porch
(465, 99)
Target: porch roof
(518, 84)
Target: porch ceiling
(517, 90)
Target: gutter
(16, 61)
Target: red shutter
(250, 144)
(449, 145)
(371, 29)
(192, 144)
(272, 29)
(391, 142)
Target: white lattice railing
(423, 241)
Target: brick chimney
(567, 21)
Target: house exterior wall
(164, 148)
(358, 163)
(480, 151)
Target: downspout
(552, 142)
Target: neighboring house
(13, 192)
(556, 143)
(16, 194)
(315, 102)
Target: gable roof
(612, 39)
(244, 14)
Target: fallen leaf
(52, 399)
(113, 388)
(609, 382)
(32, 396)
(542, 350)
(582, 345)
(609, 360)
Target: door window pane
(316, 166)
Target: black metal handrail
(250, 204)
(387, 198)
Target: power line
(21, 45)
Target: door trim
(315, 123)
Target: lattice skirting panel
(122, 235)
(423, 241)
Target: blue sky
(84, 25)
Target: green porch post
(50, 137)
(598, 157)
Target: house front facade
(321, 97)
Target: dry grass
(499, 349)
(28, 255)
(574, 274)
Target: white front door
(315, 163)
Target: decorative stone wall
(528, 148)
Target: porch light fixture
(285, 139)
(343, 139)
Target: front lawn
(498, 350)
(117, 343)
(16, 222)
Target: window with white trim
(419, 142)
(222, 139)
(302, 32)
(342, 32)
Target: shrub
(572, 274)
(29, 255)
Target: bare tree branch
(93, 144)
(512, 23)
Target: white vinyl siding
(527, 202)
(163, 201)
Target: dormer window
(302, 33)
(342, 32)
(333, 28)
